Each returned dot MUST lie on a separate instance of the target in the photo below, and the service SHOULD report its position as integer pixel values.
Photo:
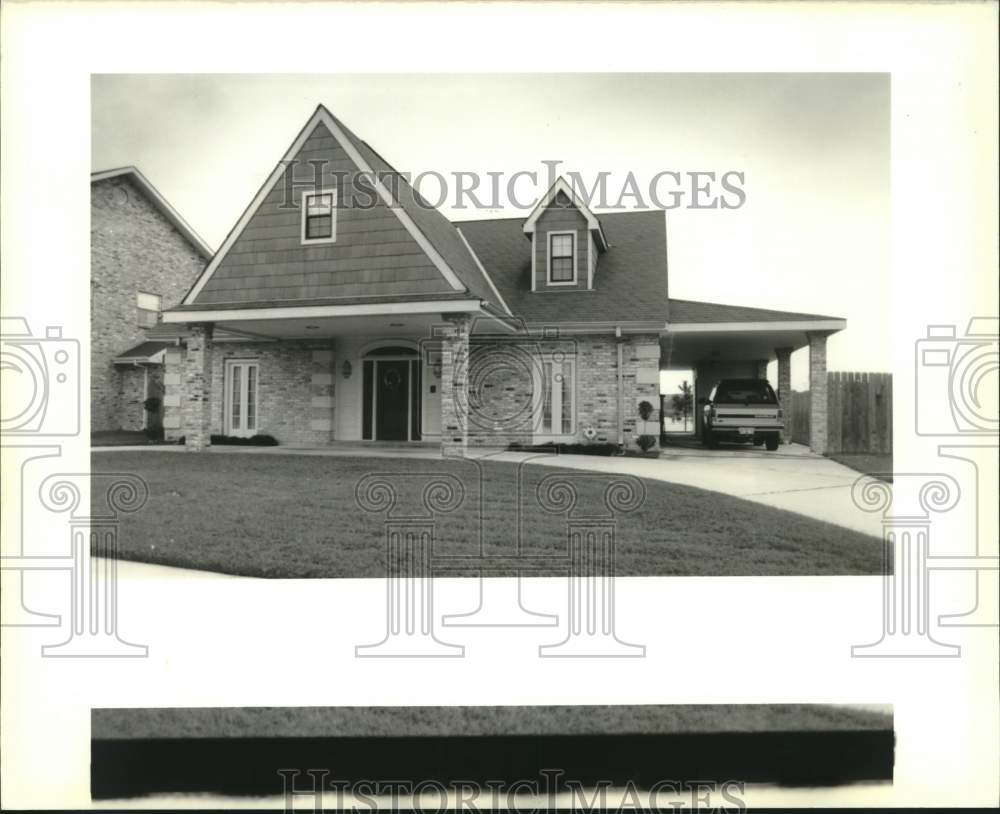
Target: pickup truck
(742, 410)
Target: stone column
(817, 391)
(785, 387)
(173, 392)
(455, 385)
(196, 401)
(322, 386)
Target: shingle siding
(556, 218)
(374, 255)
(133, 248)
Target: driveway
(791, 478)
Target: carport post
(785, 385)
(817, 391)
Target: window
(148, 309)
(241, 401)
(557, 397)
(319, 216)
(751, 391)
(562, 257)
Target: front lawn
(272, 515)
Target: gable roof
(630, 284)
(683, 312)
(435, 235)
(439, 231)
(562, 186)
(158, 201)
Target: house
(342, 307)
(143, 258)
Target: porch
(310, 376)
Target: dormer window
(319, 216)
(562, 258)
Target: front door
(241, 398)
(392, 399)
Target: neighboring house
(143, 258)
(342, 308)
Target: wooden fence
(859, 413)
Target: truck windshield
(749, 392)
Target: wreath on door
(391, 379)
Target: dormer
(566, 239)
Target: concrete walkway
(790, 478)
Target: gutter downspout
(621, 391)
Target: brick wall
(132, 248)
(131, 395)
(501, 391)
(641, 365)
(296, 389)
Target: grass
(244, 722)
(291, 516)
(876, 465)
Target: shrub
(152, 404)
(260, 440)
(645, 410)
(154, 433)
(646, 442)
(567, 449)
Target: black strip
(249, 766)
(366, 401)
(415, 400)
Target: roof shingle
(630, 283)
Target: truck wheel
(772, 442)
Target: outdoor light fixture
(345, 369)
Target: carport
(728, 341)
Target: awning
(145, 353)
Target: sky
(811, 235)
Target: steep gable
(374, 254)
(388, 244)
